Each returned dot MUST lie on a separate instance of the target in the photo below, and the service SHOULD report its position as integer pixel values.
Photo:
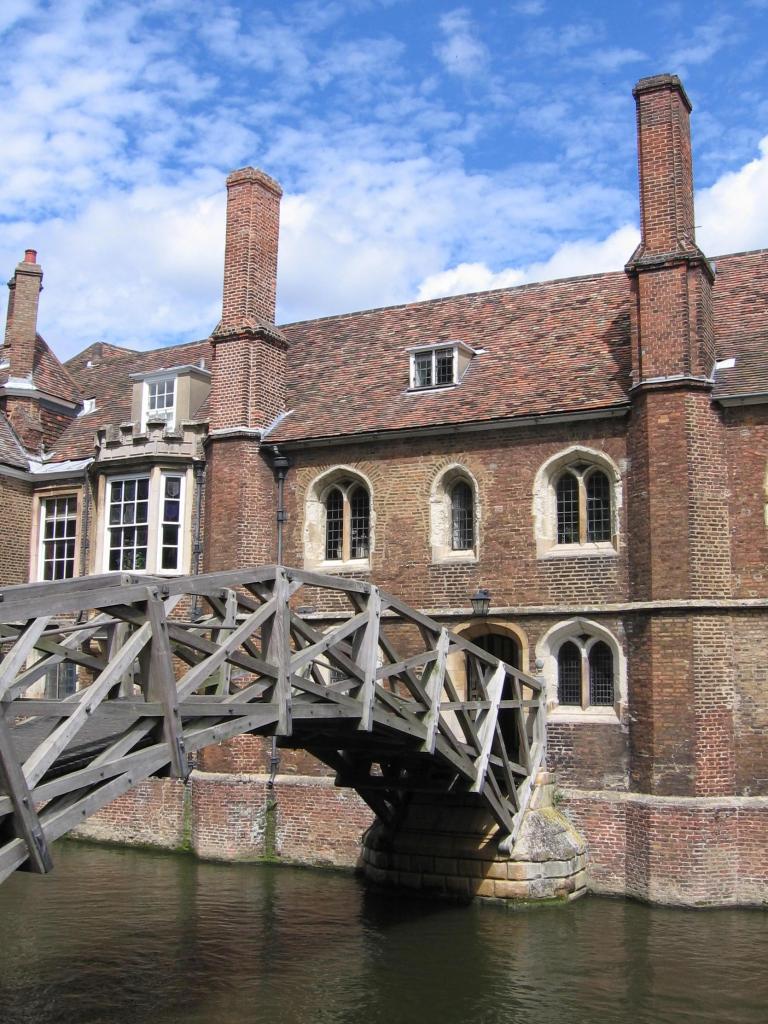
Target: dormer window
(171, 394)
(439, 366)
(160, 400)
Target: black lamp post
(481, 601)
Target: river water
(127, 937)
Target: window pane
(359, 523)
(569, 674)
(462, 518)
(422, 365)
(567, 509)
(57, 537)
(444, 366)
(598, 507)
(127, 540)
(600, 674)
(334, 519)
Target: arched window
(462, 517)
(569, 674)
(585, 673)
(347, 522)
(583, 499)
(454, 514)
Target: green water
(119, 936)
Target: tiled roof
(11, 451)
(557, 347)
(741, 322)
(48, 373)
(103, 372)
(562, 346)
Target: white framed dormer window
(159, 400)
(145, 523)
(438, 366)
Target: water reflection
(122, 937)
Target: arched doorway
(507, 648)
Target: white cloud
(704, 42)
(733, 213)
(573, 259)
(461, 52)
(530, 8)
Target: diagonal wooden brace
(27, 823)
(162, 686)
(368, 659)
(433, 684)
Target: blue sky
(425, 148)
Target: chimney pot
(30, 255)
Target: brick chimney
(21, 324)
(248, 386)
(248, 380)
(673, 334)
(678, 535)
(250, 256)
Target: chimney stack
(672, 327)
(250, 257)
(21, 324)
(664, 159)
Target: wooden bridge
(167, 666)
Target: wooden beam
(26, 821)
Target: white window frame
(156, 495)
(41, 541)
(166, 475)
(433, 351)
(146, 413)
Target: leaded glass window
(567, 509)
(347, 522)
(433, 368)
(583, 506)
(569, 674)
(359, 523)
(601, 674)
(598, 507)
(585, 673)
(334, 524)
(462, 517)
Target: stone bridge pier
(452, 848)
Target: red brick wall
(505, 467)
(240, 504)
(674, 851)
(153, 813)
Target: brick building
(592, 451)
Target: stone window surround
(440, 516)
(545, 504)
(156, 474)
(314, 520)
(547, 650)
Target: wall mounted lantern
(481, 601)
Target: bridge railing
(166, 667)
